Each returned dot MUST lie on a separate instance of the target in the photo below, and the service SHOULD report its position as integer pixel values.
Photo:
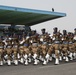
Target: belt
(15, 46)
(8, 46)
(65, 42)
(25, 44)
(70, 42)
(35, 44)
(1, 46)
(57, 42)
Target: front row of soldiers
(39, 48)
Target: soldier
(8, 50)
(74, 40)
(65, 45)
(56, 44)
(35, 49)
(44, 37)
(26, 51)
(71, 45)
(15, 46)
(1, 51)
(21, 50)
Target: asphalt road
(49, 69)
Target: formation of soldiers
(37, 48)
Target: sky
(64, 6)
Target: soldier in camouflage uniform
(1, 51)
(56, 44)
(65, 46)
(8, 50)
(15, 46)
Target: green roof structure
(24, 16)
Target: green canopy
(24, 16)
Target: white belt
(57, 42)
(1, 46)
(65, 42)
(8, 46)
(15, 46)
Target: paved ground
(50, 69)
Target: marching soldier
(21, 50)
(8, 50)
(35, 49)
(44, 37)
(65, 45)
(71, 45)
(74, 40)
(1, 51)
(15, 46)
(26, 51)
(56, 44)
